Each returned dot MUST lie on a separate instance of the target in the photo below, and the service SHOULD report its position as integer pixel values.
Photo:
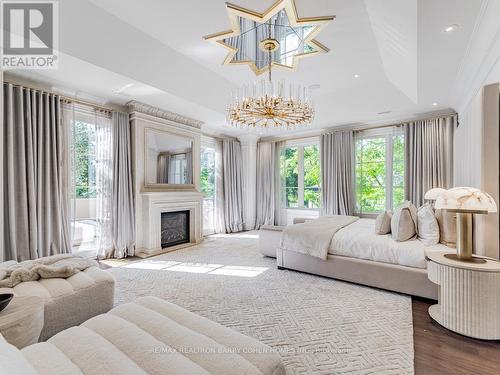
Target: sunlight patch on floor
(213, 269)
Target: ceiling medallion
(294, 36)
(275, 38)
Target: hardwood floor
(439, 351)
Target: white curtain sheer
(100, 158)
(220, 226)
(269, 186)
(104, 181)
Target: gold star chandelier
(275, 38)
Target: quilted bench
(70, 302)
(148, 336)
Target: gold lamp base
(464, 239)
(472, 259)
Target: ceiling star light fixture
(292, 37)
(275, 38)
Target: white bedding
(358, 240)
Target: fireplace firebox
(174, 228)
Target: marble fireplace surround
(154, 204)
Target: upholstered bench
(70, 302)
(270, 236)
(150, 336)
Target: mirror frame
(152, 187)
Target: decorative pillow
(383, 223)
(447, 222)
(12, 361)
(404, 222)
(427, 224)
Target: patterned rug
(319, 325)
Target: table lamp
(464, 201)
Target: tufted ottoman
(147, 336)
(69, 302)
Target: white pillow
(383, 223)
(12, 361)
(404, 222)
(428, 227)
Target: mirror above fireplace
(168, 160)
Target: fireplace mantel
(153, 205)
(150, 203)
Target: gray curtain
(268, 184)
(123, 217)
(162, 166)
(189, 167)
(337, 170)
(428, 156)
(232, 184)
(35, 216)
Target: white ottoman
(150, 336)
(269, 239)
(69, 302)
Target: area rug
(318, 325)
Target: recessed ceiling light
(434, 104)
(450, 28)
(356, 76)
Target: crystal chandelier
(267, 105)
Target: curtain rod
(355, 127)
(66, 98)
(361, 127)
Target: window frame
(388, 133)
(300, 144)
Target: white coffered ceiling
(153, 51)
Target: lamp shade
(466, 199)
(433, 194)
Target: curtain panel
(337, 173)
(428, 156)
(232, 185)
(122, 197)
(269, 184)
(163, 162)
(35, 217)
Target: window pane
(84, 144)
(207, 173)
(292, 197)
(289, 165)
(311, 177)
(398, 171)
(370, 174)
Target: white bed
(357, 254)
(358, 240)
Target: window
(379, 170)
(301, 175)
(84, 138)
(207, 183)
(90, 150)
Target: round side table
(469, 295)
(22, 321)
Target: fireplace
(174, 228)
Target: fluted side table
(469, 295)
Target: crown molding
(135, 106)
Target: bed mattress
(358, 240)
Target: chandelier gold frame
(235, 11)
